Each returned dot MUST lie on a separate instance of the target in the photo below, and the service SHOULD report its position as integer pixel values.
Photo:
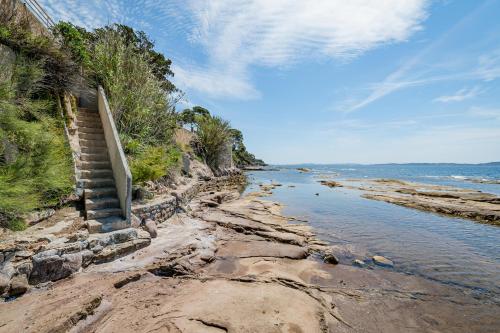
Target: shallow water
(450, 250)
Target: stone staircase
(102, 206)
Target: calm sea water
(450, 250)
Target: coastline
(234, 263)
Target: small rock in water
(382, 261)
(317, 194)
(330, 259)
(359, 263)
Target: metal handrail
(39, 13)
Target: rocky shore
(227, 263)
(452, 201)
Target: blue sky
(331, 81)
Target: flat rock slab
(244, 249)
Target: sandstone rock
(141, 193)
(115, 251)
(186, 163)
(80, 235)
(304, 169)
(93, 226)
(135, 222)
(330, 259)
(51, 266)
(114, 237)
(87, 257)
(37, 217)
(4, 283)
(24, 267)
(330, 183)
(18, 285)
(382, 261)
(150, 227)
(127, 280)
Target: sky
(330, 81)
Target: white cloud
(238, 34)
(460, 95)
(484, 112)
(407, 76)
(214, 83)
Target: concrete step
(88, 117)
(95, 130)
(102, 192)
(91, 136)
(92, 143)
(94, 157)
(107, 224)
(93, 165)
(101, 203)
(97, 173)
(86, 112)
(89, 123)
(100, 213)
(113, 223)
(94, 150)
(87, 108)
(98, 182)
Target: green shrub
(35, 160)
(74, 40)
(214, 134)
(154, 163)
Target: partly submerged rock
(382, 261)
(330, 183)
(330, 259)
(304, 169)
(359, 263)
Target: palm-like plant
(214, 135)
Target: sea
(453, 251)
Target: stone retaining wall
(163, 208)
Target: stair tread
(106, 209)
(101, 190)
(99, 179)
(94, 165)
(104, 212)
(102, 199)
(112, 223)
(88, 124)
(92, 142)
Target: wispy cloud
(461, 95)
(406, 76)
(485, 112)
(236, 35)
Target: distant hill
(491, 163)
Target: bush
(35, 160)
(214, 134)
(154, 163)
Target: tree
(192, 116)
(214, 135)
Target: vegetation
(241, 156)
(141, 98)
(36, 168)
(35, 159)
(214, 135)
